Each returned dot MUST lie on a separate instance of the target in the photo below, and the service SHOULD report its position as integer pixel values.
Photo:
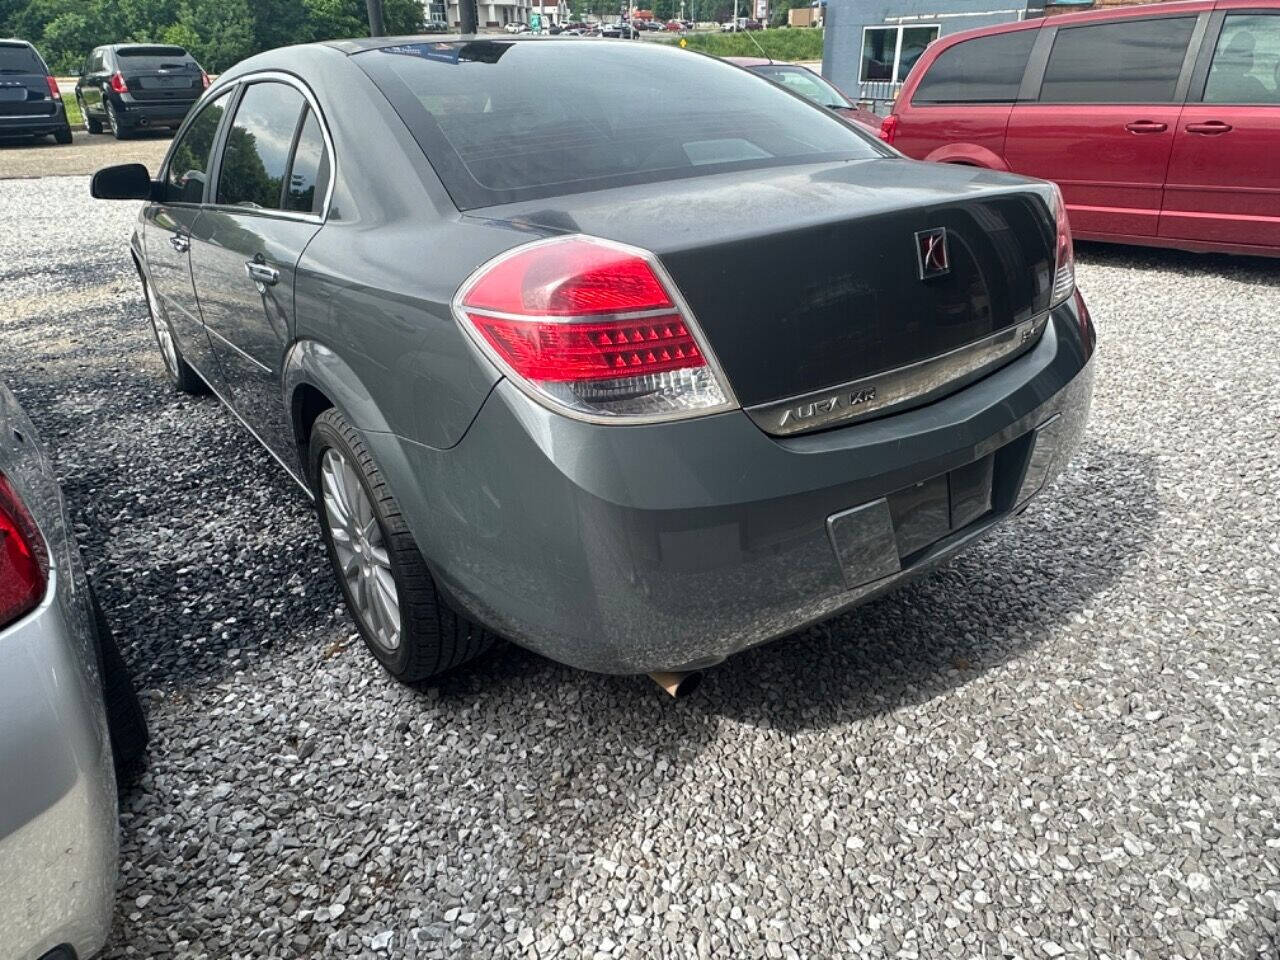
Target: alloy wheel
(111, 120)
(362, 554)
(164, 335)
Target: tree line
(218, 33)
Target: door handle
(1146, 126)
(180, 242)
(261, 273)
(1209, 127)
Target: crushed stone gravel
(1062, 744)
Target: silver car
(69, 719)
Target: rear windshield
(506, 121)
(155, 58)
(19, 58)
(806, 83)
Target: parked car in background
(623, 30)
(586, 421)
(30, 104)
(1160, 123)
(812, 87)
(127, 87)
(67, 711)
(435, 26)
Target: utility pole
(376, 29)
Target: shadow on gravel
(1257, 271)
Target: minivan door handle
(261, 273)
(1209, 127)
(1146, 126)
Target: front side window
(889, 53)
(1246, 61)
(982, 70)
(1129, 61)
(309, 175)
(256, 155)
(504, 121)
(189, 162)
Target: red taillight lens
(1064, 274)
(889, 128)
(204, 80)
(24, 570)
(53, 88)
(118, 84)
(592, 328)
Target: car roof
(361, 44)
(14, 41)
(1071, 19)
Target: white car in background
(69, 720)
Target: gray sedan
(635, 389)
(67, 709)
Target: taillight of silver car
(1064, 276)
(24, 565)
(593, 329)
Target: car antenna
(760, 48)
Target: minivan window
(258, 144)
(505, 121)
(155, 58)
(1127, 61)
(981, 70)
(1246, 62)
(19, 58)
(189, 163)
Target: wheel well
(308, 403)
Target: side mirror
(126, 181)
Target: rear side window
(1246, 61)
(1129, 61)
(19, 58)
(982, 70)
(506, 121)
(155, 58)
(309, 175)
(256, 156)
(189, 162)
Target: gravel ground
(1062, 744)
(23, 157)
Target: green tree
(222, 31)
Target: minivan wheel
(63, 136)
(180, 372)
(405, 622)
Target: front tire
(404, 621)
(180, 372)
(90, 124)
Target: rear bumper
(135, 113)
(11, 126)
(58, 841)
(673, 546)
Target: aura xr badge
(931, 253)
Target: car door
(167, 227)
(1224, 176)
(272, 182)
(1103, 120)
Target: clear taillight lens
(1064, 274)
(592, 329)
(24, 567)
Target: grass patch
(794, 43)
(73, 110)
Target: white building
(490, 14)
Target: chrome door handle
(180, 243)
(261, 273)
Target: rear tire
(180, 372)
(113, 122)
(374, 542)
(126, 720)
(63, 136)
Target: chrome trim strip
(632, 315)
(915, 384)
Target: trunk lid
(24, 84)
(809, 277)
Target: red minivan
(1161, 123)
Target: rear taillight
(889, 128)
(53, 88)
(593, 329)
(118, 84)
(1064, 274)
(24, 567)
(204, 80)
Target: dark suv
(129, 86)
(30, 104)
